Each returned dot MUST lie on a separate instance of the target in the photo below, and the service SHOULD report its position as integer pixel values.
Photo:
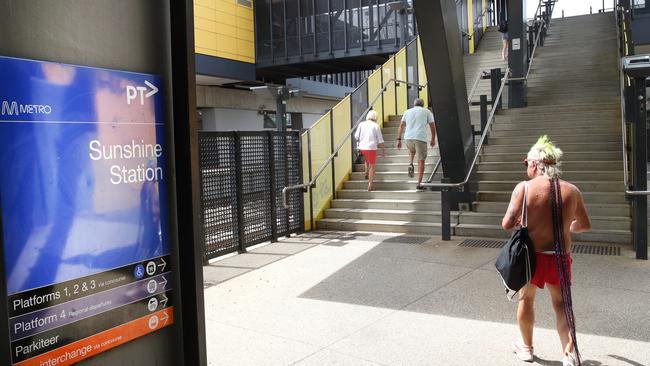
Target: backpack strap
(524, 209)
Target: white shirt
(417, 119)
(368, 135)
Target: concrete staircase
(395, 206)
(573, 96)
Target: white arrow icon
(163, 283)
(163, 264)
(165, 318)
(153, 91)
(164, 300)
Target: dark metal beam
(517, 53)
(441, 51)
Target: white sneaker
(569, 359)
(523, 352)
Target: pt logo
(132, 92)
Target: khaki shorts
(417, 147)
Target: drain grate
(596, 249)
(482, 243)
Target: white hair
(372, 116)
(547, 156)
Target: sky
(571, 7)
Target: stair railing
(445, 187)
(312, 183)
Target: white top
(417, 119)
(368, 136)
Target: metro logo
(8, 109)
(15, 109)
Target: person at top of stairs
(415, 121)
(369, 137)
(551, 241)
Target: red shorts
(546, 270)
(370, 155)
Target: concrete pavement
(342, 298)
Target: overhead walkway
(573, 96)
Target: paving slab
(354, 298)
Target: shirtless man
(543, 164)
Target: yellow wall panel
(224, 29)
(400, 74)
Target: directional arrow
(163, 265)
(163, 283)
(164, 300)
(165, 318)
(153, 91)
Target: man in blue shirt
(415, 120)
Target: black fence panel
(218, 193)
(242, 177)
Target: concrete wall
(129, 35)
(231, 109)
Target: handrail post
(495, 81)
(332, 152)
(445, 208)
(239, 178)
(484, 115)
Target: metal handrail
(622, 101)
(335, 153)
(475, 85)
(435, 170)
(480, 144)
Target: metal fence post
(274, 203)
(240, 194)
(445, 207)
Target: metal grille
(218, 193)
(482, 243)
(256, 190)
(597, 249)
(242, 177)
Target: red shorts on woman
(546, 270)
(370, 155)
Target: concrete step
(569, 175)
(397, 194)
(583, 186)
(380, 186)
(570, 156)
(495, 231)
(597, 209)
(566, 147)
(558, 139)
(405, 227)
(381, 176)
(566, 165)
(612, 124)
(518, 131)
(591, 197)
(564, 108)
(374, 214)
(600, 222)
(395, 167)
(387, 204)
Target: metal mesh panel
(256, 190)
(281, 181)
(218, 193)
(294, 174)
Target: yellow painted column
(470, 25)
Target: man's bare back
(540, 224)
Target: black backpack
(503, 27)
(516, 262)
